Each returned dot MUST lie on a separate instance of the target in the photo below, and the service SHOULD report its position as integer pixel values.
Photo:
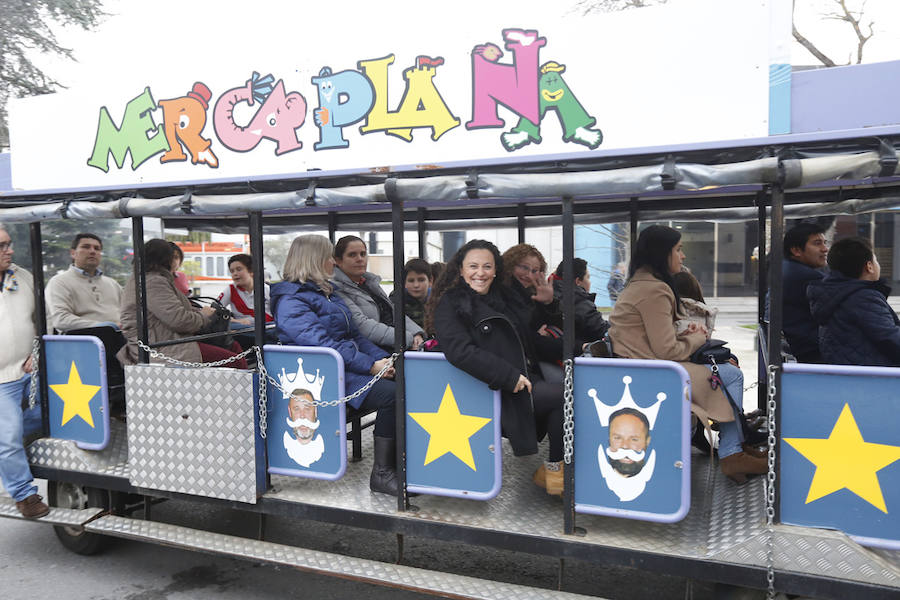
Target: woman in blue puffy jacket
(309, 313)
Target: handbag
(712, 352)
(220, 322)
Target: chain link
(569, 411)
(194, 365)
(770, 486)
(265, 377)
(263, 392)
(35, 367)
(349, 398)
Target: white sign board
(202, 91)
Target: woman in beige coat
(170, 315)
(642, 325)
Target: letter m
(134, 135)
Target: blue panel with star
(840, 450)
(452, 430)
(304, 438)
(76, 380)
(632, 439)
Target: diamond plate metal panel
(817, 552)
(726, 521)
(392, 575)
(192, 431)
(57, 516)
(66, 456)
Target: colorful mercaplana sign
(270, 104)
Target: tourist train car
(482, 123)
(687, 519)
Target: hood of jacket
(827, 295)
(341, 279)
(580, 293)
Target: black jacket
(490, 338)
(590, 325)
(856, 324)
(800, 330)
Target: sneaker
(32, 507)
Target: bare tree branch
(25, 32)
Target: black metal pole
(390, 189)
(420, 228)
(259, 278)
(762, 285)
(633, 212)
(775, 317)
(140, 285)
(568, 310)
(40, 316)
(332, 226)
(520, 222)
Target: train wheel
(69, 495)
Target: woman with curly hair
(482, 326)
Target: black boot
(384, 477)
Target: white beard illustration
(304, 454)
(626, 488)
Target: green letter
(132, 135)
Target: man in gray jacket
(372, 311)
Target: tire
(69, 495)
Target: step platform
(325, 563)
(70, 517)
(725, 524)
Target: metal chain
(35, 367)
(263, 392)
(568, 410)
(770, 486)
(194, 365)
(263, 378)
(353, 396)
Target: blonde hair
(306, 261)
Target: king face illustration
(625, 464)
(302, 442)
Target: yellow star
(449, 431)
(845, 460)
(76, 397)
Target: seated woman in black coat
(589, 323)
(483, 328)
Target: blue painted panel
(840, 450)
(779, 99)
(452, 430)
(76, 379)
(317, 450)
(849, 97)
(608, 394)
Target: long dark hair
(653, 248)
(450, 277)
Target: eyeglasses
(4, 246)
(527, 269)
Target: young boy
(856, 324)
(417, 281)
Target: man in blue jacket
(856, 324)
(805, 252)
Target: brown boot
(755, 451)
(32, 507)
(738, 466)
(555, 480)
(540, 476)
